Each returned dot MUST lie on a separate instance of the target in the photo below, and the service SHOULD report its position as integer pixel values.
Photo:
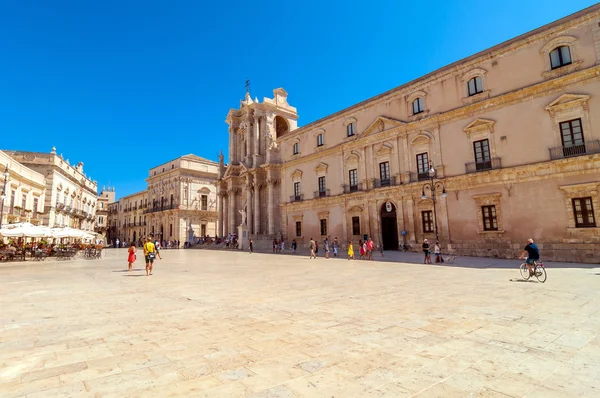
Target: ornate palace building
(179, 204)
(70, 195)
(483, 153)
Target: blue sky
(126, 85)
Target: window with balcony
(320, 140)
(560, 56)
(583, 209)
(422, 166)
(353, 180)
(323, 227)
(490, 221)
(298, 228)
(355, 226)
(204, 202)
(384, 173)
(297, 195)
(350, 129)
(322, 187)
(427, 217)
(475, 85)
(571, 135)
(417, 106)
(483, 160)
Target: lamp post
(433, 187)
(3, 196)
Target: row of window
(582, 209)
(559, 57)
(572, 138)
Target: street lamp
(433, 187)
(3, 195)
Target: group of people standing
(436, 250)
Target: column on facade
(225, 220)
(443, 215)
(231, 216)
(249, 203)
(249, 140)
(231, 158)
(256, 136)
(256, 207)
(271, 208)
(220, 219)
(410, 230)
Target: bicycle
(538, 270)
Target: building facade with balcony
(131, 219)
(105, 198)
(513, 134)
(181, 201)
(70, 195)
(25, 192)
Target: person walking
(335, 247)
(150, 255)
(427, 252)
(131, 256)
(438, 253)
(350, 251)
(117, 243)
(294, 246)
(250, 246)
(282, 245)
(370, 246)
(326, 248)
(312, 246)
(157, 247)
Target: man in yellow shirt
(150, 255)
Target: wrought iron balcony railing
(321, 194)
(586, 148)
(296, 198)
(347, 188)
(386, 182)
(485, 165)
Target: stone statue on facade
(221, 159)
(243, 213)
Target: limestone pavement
(230, 324)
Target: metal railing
(416, 177)
(586, 148)
(162, 208)
(297, 198)
(347, 188)
(386, 182)
(321, 194)
(490, 164)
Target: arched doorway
(389, 227)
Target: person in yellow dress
(150, 255)
(350, 251)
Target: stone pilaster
(249, 203)
(220, 220)
(231, 216)
(410, 230)
(257, 204)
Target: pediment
(566, 101)
(355, 210)
(384, 149)
(381, 124)
(479, 125)
(297, 174)
(321, 167)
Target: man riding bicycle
(533, 254)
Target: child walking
(350, 251)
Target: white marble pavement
(230, 324)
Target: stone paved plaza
(225, 324)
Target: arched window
(296, 148)
(475, 85)
(320, 140)
(418, 106)
(560, 56)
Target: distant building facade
(25, 192)
(512, 135)
(70, 195)
(106, 197)
(180, 203)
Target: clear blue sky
(126, 85)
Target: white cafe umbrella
(26, 230)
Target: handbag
(151, 255)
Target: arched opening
(281, 126)
(134, 236)
(389, 227)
